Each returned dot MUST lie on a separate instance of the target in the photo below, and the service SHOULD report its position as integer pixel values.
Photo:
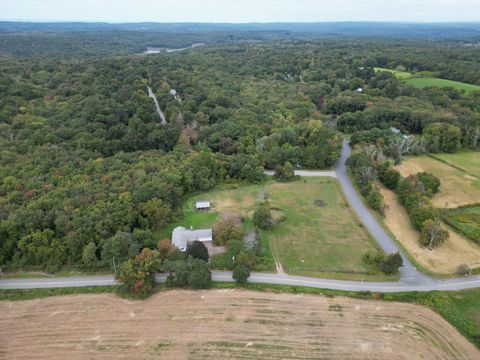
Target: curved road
(410, 280)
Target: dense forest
(88, 169)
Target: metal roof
(181, 236)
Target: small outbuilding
(181, 237)
(202, 205)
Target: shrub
(197, 250)
(432, 234)
(241, 274)
(430, 181)
(390, 178)
(285, 173)
(392, 263)
(262, 217)
(227, 228)
(419, 215)
(194, 273)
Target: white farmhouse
(181, 237)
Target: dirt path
(225, 324)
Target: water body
(154, 50)
(159, 111)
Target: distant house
(359, 90)
(202, 205)
(181, 237)
(394, 130)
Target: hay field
(225, 324)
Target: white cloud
(242, 10)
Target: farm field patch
(226, 324)
(444, 259)
(457, 187)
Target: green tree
(157, 212)
(262, 217)
(227, 228)
(197, 250)
(392, 263)
(432, 234)
(89, 256)
(241, 274)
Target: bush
(197, 250)
(262, 217)
(432, 234)
(419, 215)
(193, 273)
(241, 274)
(390, 178)
(389, 264)
(285, 173)
(430, 181)
(392, 263)
(227, 228)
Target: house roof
(182, 236)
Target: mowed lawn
(315, 240)
(429, 82)
(398, 74)
(468, 161)
(457, 187)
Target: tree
(432, 234)
(392, 263)
(138, 275)
(164, 247)
(89, 256)
(285, 173)
(194, 273)
(157, 213)
(262, 217)
(227, 228)
(197, 250)
(121, 246)
(241, 274)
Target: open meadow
(226, 324)
(457, 187)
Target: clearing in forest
(225, 324)
(320, 236)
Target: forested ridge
(88, 171)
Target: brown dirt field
(457, 188)
(225, 324)
(443, 260)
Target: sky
(239, 11)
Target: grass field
(317, 241)
(226, 324)
(457, 187)
(465, 220)
(398, 74)
(468, 161)
(422, 82)
(429, 82)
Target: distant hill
(455, 31)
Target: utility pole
(114, 267)
(1, 272)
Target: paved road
(411, 279)
(450, 284)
